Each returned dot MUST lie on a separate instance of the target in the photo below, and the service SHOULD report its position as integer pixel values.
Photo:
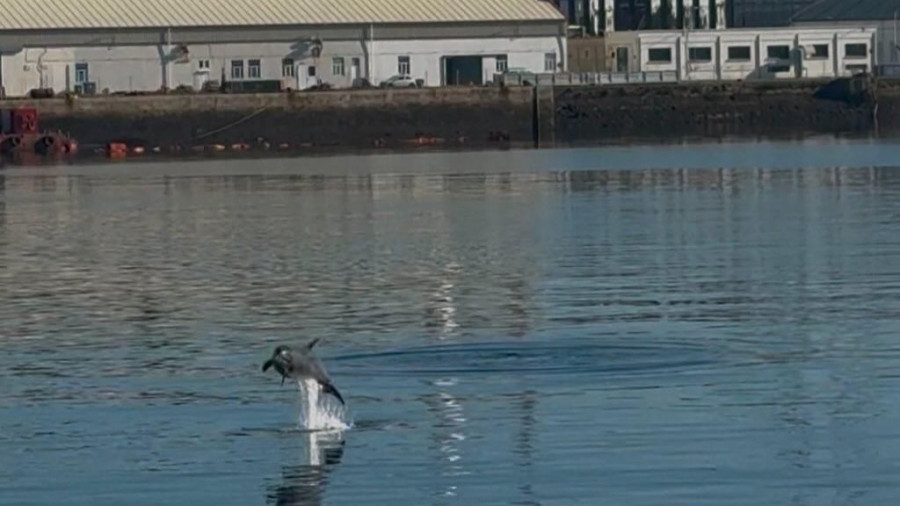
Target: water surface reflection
(701, 324)
(305, 484)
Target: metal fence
(584, 78)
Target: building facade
(881, 15)
(605, 16)
(301, 43)
(763, 13)
(744, 54)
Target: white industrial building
(142, 45)
(745, 54)
(880, 15)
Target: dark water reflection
(305, 484)
(680, 325)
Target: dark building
(633, 15)
(847, 10)
(577, 12)
(751, 13)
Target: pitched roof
(849, 10)
(84, 14)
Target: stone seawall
(350, 120)
(471, 117)
(586, 114)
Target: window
(203, 64)
(311, 71)
(856, 51)
(550, 62)
(237, 69)
(739, 53)
(287, 68)
(81, 73)
(337, 66)
(700, 54)
(778, 52)
(819, 51)
(403, 67)
(659, 55)
(254, 69)
(857, 69)
(502, 63)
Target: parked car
(399, 81)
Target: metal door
(621, 59)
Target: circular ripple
(524, 358)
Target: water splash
(320, 412)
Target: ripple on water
(528, 358)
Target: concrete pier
(465, 118)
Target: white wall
(800, 61)
(426, 56)
(149, 68)
(701, 70)
(887, 37)
(780, 69)
(660, 41)
(738, 67)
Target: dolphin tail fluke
(328, 388)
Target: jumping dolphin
(301, 364)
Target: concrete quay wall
(471, 117)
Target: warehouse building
(745, 54)
(96, 46)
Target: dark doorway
(622, 59)
(463, 71)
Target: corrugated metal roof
(83, 14)
(849, 10)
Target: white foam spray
(320, 412)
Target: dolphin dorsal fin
(312, 343)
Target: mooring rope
(235, 123)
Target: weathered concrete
(586, 114)
(341, 119)
(474, 117)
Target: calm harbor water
(673, 325)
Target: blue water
(713, 324)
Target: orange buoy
(117, 149)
